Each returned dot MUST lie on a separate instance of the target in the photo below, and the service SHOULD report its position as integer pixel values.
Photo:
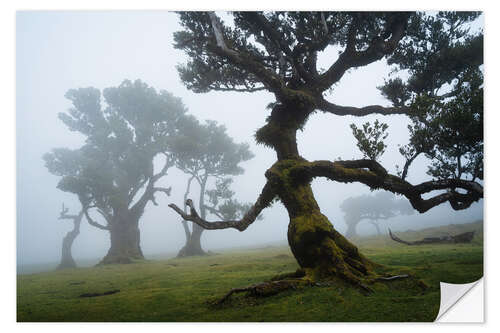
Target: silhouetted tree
(113, 171)
(436, 71)
(206, 152)
(381, 206)
(67, 260)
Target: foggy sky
(57, 51)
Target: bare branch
(65, 216)
(263, 201)
(93, 223)
(160, 189)
(465, 237)
(218, 34)
(340, 110)
(371, 173)
(242, 60)
(377, 49)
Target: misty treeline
(372, 208)
(127, 128)
(436, 80)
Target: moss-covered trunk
(320, 250)
(125, 240)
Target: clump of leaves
(370, 139)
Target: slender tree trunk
(67, 260)
(351, 230)
(375, 224)
(193, 241)
(125, 241)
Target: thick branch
(93, 223)
(371, 173)
(377, 49)
(244, 61)
(340, 110)
(263, 201)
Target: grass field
(181, 289)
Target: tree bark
(125, 241)
(67, 260)
(320, 250)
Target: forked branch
(264, 200)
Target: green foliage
(370, 139)
(178, 289)
(294, 38)
(441, 60)
(206, 151)
(125, 130)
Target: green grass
(178, 289)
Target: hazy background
(57, 51)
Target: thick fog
(57, 51)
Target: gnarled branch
(378, 48)
(465, 237)
(264, 200)
(374, 175)
(340, 110)
(242, 60)
(94, 223)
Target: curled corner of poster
(461, 303)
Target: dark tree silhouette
(67, 260)
(436, 62)
(381, 206)
(113, 171)
(206, 152)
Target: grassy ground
(180, 289)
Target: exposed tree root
(264, 289)
(298, 278)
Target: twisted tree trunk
(67, 260)
(320, 250)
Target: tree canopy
(206, 153)
(124, 129)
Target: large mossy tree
(210, 157)
(126, 130)
(436, 81)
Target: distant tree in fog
(381, 206)
(207, 153)
(113, 173)
(436, 80)
(67, 260)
